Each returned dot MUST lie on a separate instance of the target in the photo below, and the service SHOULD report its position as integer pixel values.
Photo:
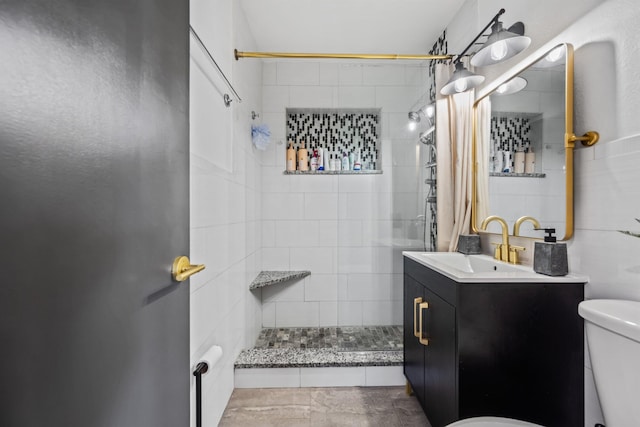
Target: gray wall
(94, 207)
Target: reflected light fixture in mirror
(553, 58)
(514, 85)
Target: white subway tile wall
(370, 376)
(226, 221)
(348, 230)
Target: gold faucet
(502, 250)
(518, 223)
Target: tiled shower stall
(348, 230)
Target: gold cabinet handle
(423, 340)
(182, 269)
(416, 301)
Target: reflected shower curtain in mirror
(444, 206)
(483, 144)
(455, 133)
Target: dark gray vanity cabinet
(494, 349)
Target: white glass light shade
(514, 85)
(462, 80)
(500, 46)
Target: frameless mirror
(523, 147)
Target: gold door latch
(182, 269)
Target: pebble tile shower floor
(346, 338)
(325, 347)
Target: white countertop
(484, 269)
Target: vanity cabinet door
(414, 352)
(430, 366)
(441, 367)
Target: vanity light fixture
(514, 85)
(500, 45)
(462, 80)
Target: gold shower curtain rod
(239, 55)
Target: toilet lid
(492, 422)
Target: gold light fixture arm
(182, 269)
(381, 56)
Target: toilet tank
(613, 339)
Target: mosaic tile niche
(515, 131)
(510, 132)
(338, 131)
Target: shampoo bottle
(291, 158)
(345, 162)
(303, 158)
(314, 160)
(530, 161)
(357, 165)
(518, 162)
(498, 163)
(507, 168)
(321, 159)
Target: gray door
(94, 194)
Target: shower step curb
(276, 368)
(315, 358)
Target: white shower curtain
(454, 138)
(483, 144)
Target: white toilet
(613, 338)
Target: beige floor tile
(243, 397)
(272, 422)
(320, 407)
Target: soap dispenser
(550, 257)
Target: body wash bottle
(530, 161)
(345, 162)
(518, 162)
(498, 162)
(291, 158)
(335, 163)
(357, 165)
(321, 159)
(303, 158)
(507, 168)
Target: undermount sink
(483, 268)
